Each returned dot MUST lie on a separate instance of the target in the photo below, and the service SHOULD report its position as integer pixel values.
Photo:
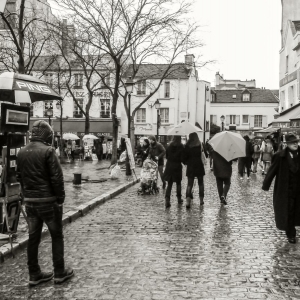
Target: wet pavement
(95, 181)
(132, 247)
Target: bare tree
(23, 37)
(115, 26)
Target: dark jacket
(280, 169)
(40, 173)
(173, 170)
(222, 168)
(157, 149)
(249, 149)
(193, 161)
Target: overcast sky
(242, 36)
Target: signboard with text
(130, 153)
(288, 78)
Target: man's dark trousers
(49, 213)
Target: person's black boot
(179, 199)
(167, 202)
(223, 200)
(65, 275)
(201, 200)
(39, 278)
(188, 202)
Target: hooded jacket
(38, 168)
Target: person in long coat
(285, 167)
(223, 171)
(245, 162)
(173, 170)
(195, 167)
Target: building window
(287, 64)
(49, 78)
(47, 105)
(245, 119)
(76, 110)
(164, 115)
(10, 7)
(232, 119)
(78, 81)
(246, 97)
(213, 119)
(213, 98)
(258, 121)
(167, 89)
(31, 107)
(141, 87)
(141, 115)
(104, 108)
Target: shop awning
(291, 113)
(265, 131)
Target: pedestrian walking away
(245, 162)
(173, 170)
(267, 152)
(223, 171)
(195, 167)
(157, 152)
(42, 183)
(256, 155)
(286, 195)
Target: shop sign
(102, 94)
(281, 125)
(288, 78)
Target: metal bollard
(77, 178)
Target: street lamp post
(157, 105)
(129, 88)
(60, 107)
(204, 121)
(222, 122)
(49, 114)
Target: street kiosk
(14, 126)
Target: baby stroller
(149, 178)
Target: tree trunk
(61, 131)
(21, 62)
(132, 137)
(114, 157)
(87, 123)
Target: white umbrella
(228, 144)
(89, 136)
(20, 88)
(184, 128)
(70, 136)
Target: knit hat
(42, 131)
(152, 137)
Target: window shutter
(227, 120)
(237, 120)
(264, 121)
(171, 115)
(251, 121)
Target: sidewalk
(79, 198)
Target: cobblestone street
(133, 248)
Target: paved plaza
(132, 247)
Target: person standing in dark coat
(157, 152)
(285, 167)
(195, 167)
(247, 160)
(42, 183)
(222, 171)
(98, 148)
(173, 170)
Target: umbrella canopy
(89, 136)
(184, 128)
(70, 136)
(228, 144)
(22, 88)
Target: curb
(69, 217)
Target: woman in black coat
(223, 171)
(173, 170)
(195, 167)
(285, 167)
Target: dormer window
(246, 97)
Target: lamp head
(222, 118)
(49, 112)
(157, 104)
(58, 105)
(129, 85)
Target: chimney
(217, 79)
(68, 33)
(189, 59)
